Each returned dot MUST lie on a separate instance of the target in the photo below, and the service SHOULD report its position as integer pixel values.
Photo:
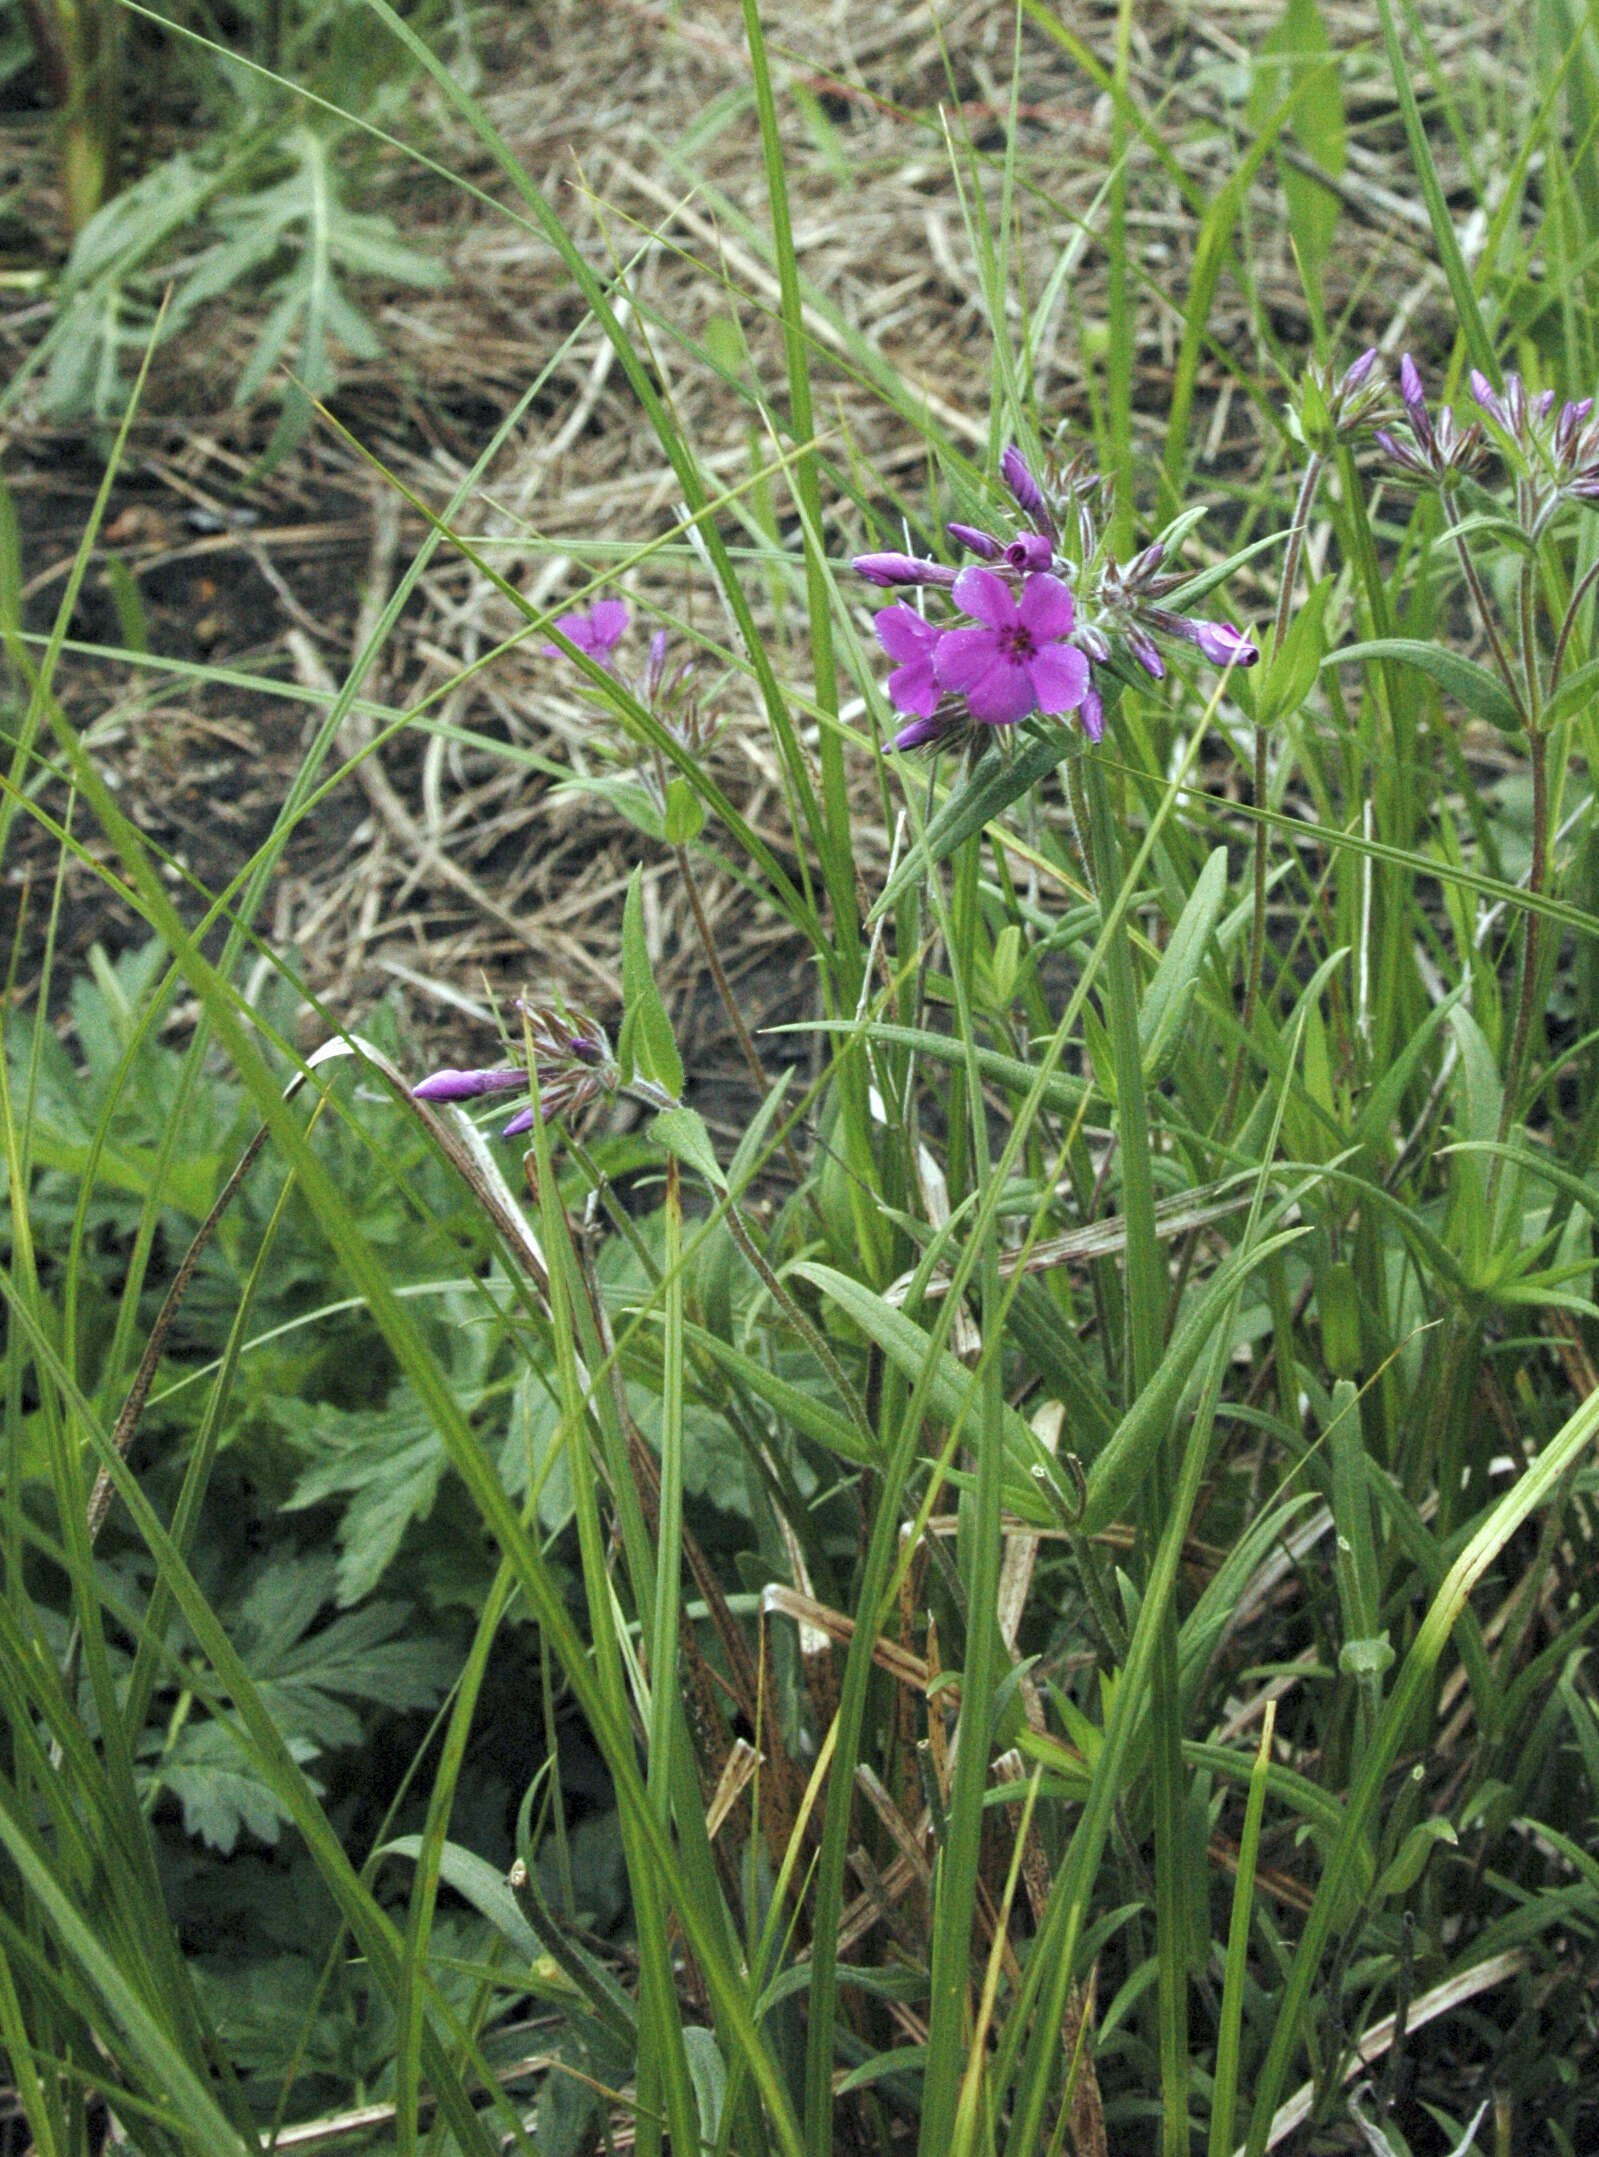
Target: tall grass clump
(1065, 1547)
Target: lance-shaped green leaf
(1117, 1472)
(647, 1048)
(1163, 1015)
(1468, 683)
(1289, 677)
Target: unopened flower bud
(891, 569)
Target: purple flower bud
(1029, 495)
(1092, 643)
(1032, 551)
(1489, 399)
(520, 1122)
(1143, 650)
(976, 542)
(1542, 405)
(1091, 711)
(1356, 373)
(1410, 387)
(932, 727)
(891, 569)
(1225, 645)
(450, 1085)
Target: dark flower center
(1016, 643)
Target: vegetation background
(504, 1660)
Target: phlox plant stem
(1148, 1288)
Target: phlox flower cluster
(1553, 453)
(1031, 623)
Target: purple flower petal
(980, 593)
(974, 663)
(1003, 695)
(891, 569)
(905, 634)
(1356, 374)
(1013, 470)
(1045, 607)
(927, 727)
(593, 633)
(914, 688)
(1060, 678)
(1031, 552)
(964, 656)
(1224, 645)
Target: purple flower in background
(594, 633)
(912, 687)
(1018, 660)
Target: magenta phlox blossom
(595, 633)
(907, 637)
(1017, 660)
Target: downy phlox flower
(1018, 660)
(1038, 624)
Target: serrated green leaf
(211, 1774)
(389, 1460)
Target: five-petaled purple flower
(1017, 661)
